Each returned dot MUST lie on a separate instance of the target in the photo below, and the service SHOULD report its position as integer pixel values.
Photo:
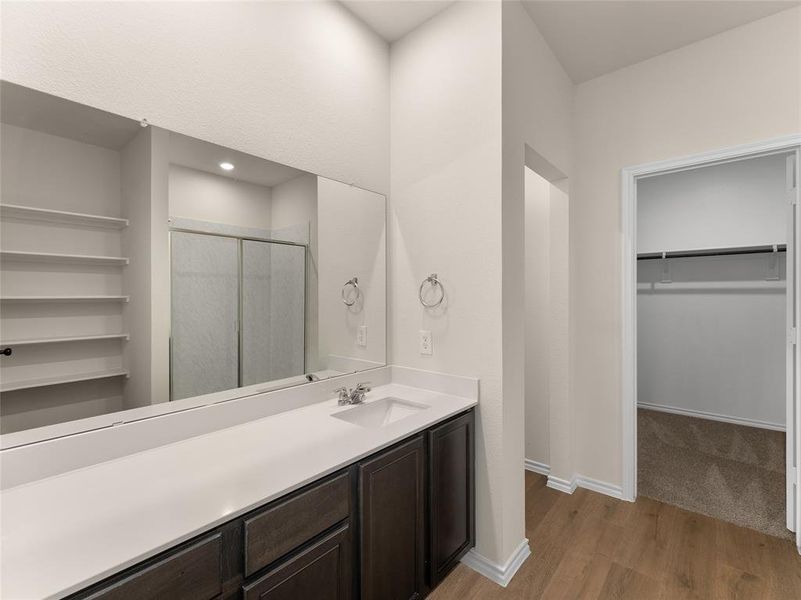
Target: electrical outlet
(361, 336)
(426, 342)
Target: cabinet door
(392, 523)
(451, 494)
(321, 572)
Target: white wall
(537, 131)
(741, 203)
(736, 87)
(146, 280)
(713, 341)
(352, 242)
(47, 171)
(445, 218)
(208, 197)
(293, 202)
(537, 339)
(301, 83)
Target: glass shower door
(273, 311)
(204, 344)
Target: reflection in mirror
(141, 266)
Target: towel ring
(354, 283)
(434, 282)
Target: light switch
(361, 337)
(426, 342)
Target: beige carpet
(730, 472)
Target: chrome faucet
(354, 396)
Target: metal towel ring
(355, 284)
(431, 279)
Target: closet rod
(713, 252)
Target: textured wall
(737, 87)
(302, 83)
(445, 218)
(537, 115)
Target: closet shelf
(30, 213)
(11, 386)
(78, 259)
(78, 338)
(61, 299)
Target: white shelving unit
(68, 225)
(12, 386)
(51, 257)
(30, 213)
(61, 340)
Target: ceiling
(392, 19)
(204, 156)
(591, 38)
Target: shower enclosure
(238, 311)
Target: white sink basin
(378, 413)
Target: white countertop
(66, 532)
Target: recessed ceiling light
(226, 166)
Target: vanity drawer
(194, 573)
(322, 571)
(285, 526)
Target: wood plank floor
(588, 546)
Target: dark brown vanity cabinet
(388, 527)
(322, 571)
(392, 505)
(191, 572)
(451, 494)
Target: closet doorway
(711, 310)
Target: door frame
(628, 185)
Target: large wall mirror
(142, 268)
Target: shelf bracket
(665, 269)
(773, 265)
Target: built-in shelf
(47, 257)
(29, 213)
(61, 299)
(11, 386)
(59, 340)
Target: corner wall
(537, 128)
(445, 218)
(737, 87)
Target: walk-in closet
(713, 339)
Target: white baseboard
(562, 485)
(688, 412)
(500, 574)
(588, 483)
(577, 481)
(537, 467)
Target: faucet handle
(363, 387)
(342, 392)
